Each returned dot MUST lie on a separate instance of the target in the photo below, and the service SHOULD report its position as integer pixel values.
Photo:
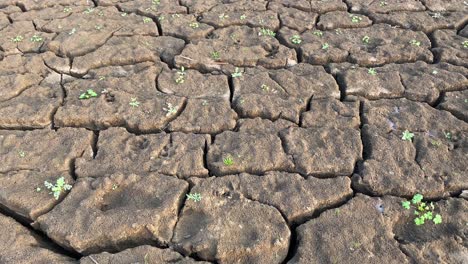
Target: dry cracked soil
(233, 131)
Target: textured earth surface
(232, 131)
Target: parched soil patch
(233, 131)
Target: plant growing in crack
(296, 39)
(228, 161)
(422, 210)
(90, 93)
(170, 109)
(372, 71)
(325, 46)
(196, 197)
(146, 20)
(266, 32)
(180, 75)
(17, 39)
(407, 136)
(237, 73)
(215, 55)
(134, 102)
(59, 187)
(318, 33)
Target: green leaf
(417, 198)
(428, 215)
(419, 221)
(407, 136)
(406, 204)
(437, 219)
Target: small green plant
(17, 39)
(175, 15)
(448, 135)
(88, 94)
(215, 55)
(194, 25)
(266, 32)
(73, 31)
(22, 154)
(88, 10)
(115, 187)
(99, 27)
(237, 73)
(423, 211)
(196, 197)
(36, 38)
(134, 102)
(223, 16)
(318, 33)
(365, 39)
(437, 15)
(407, 136)
(124, 14)
(383, 3)
(146, 20)
(372, 71)
(228, 161)
(436, 143)
(265, 87)
(325, 46)
(59, 187)
(465, 44)
(180, 75)
(296, 39)
(156, 2)
(243, 17)
(435, 72)
(170, 109)
(355, 19)
(414, 42)
(67, 9)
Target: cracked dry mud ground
(285, 116)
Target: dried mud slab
(253, 233)
(294, 18)
(323, 152)
(140, 255)
(331, 113)
(281, 93)
(248, 152)
(183, 26)
(127, 50)
(240, 46)
(262, 19)
(4, 22)
(342, 19)
(385, 45)
(433, 163)
(22, 37)
(450, 47)
(94, 217)
(426, 22)
(295, 197)
(125, 96)
(317, 6)
(34, 4)
(175, 154)
(15, 239)
(456, 103)
(371, 6)
(151, 9)
(416, 81)
(258, 125)
(444, 6)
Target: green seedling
(437, 15)
(215, 55)
(436, 143)
(325, 46)
(134, 102)
(124, 14)
(266, 32)
(156, 2)
(22, 154)
(383, 3)
(265, 87)
(296, 39)
(67, 9)
(372, 71)
(88, 10)
(355, 19)
(465, 44)
(59, 187)
(365, 39)
(228, 161)
(180, 75)
(196, 197)
(243, 16)
(435, 72)
(73, 31)
(194, 25)
(170, 109)
(414, 42)
(17, 39)
(237, 73)
(318, 33)
(204, 103)
(88, 94)
(38, 189)
(161, 18)
(99, 27)
(223, 16)
(146, 20)
(407, 136)
(422, 210)
(448, 135)
(115, 187)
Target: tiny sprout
(318, 33)
(265, 87)
(383, 3)
(124, 14)
(196, 197)
(67, 9)
(114, 187)
(436, 143)
(89, 10)
(236, 73)
(38, 189)
(156, 2)
(355, 19)
(243, 16)
(194, 25)
(180, 75)
(22, 154)
(170, 109)
(146, 20)
(223, 16)
(59, 187)
(215, 55)
(204, 103)
(325, 46)
(266, 32)
(423, 210)
(98, 27)
(372, 71)
(415, 43)
(88, 94)
(407, 136)
(366, 39)
(73, 31)
(448, 135)
(228, 161)
(17, 39)
(436, 15)
(134, 102)
(465, 44)
(296, 39)
(435, 72)
(161, 18)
